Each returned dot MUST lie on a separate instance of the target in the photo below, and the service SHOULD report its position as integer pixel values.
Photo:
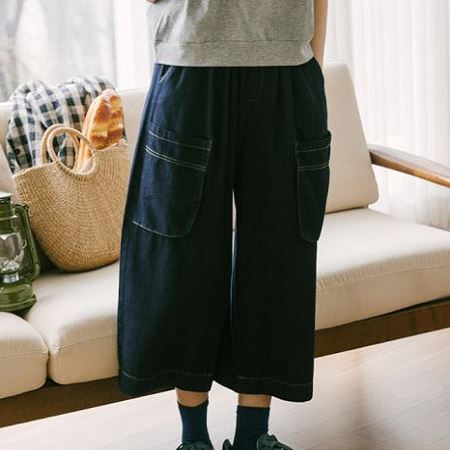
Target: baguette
(103, 125)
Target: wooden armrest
(411, 164)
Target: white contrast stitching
(313, 167)
(174, 161)
(310, 150)
(182, 143)
(262, 378)
(165, 371)
(157, 232)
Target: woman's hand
(320, 27)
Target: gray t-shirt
(231, 32)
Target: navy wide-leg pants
(195, 305)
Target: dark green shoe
(270, 442)
(227, 445)
(265, 442)
(197, 445)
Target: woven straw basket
(77, 216)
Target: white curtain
(132, 49)
(398, 53)
(51, 40)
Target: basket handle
(52, 132)
(44, 140)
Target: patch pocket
(172, 180)
(313, 177)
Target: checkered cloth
(37, 106)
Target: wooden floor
(390, 396)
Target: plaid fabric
(37, 106)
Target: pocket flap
(315, 144)
(176, 147)
(313, 154)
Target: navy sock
(251, 423)
(194, 422)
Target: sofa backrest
(352, 180)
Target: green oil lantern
(19, 259)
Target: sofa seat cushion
(370, 263)
(76, 315)
(23, 356)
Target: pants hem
(301, 392)
(162, 382)
(171, 379)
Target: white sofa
(369, 264)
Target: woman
(236, 106)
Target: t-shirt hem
(232, 53)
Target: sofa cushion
(352, 180)
(370, 263)
(6, 180)
(5, 114)
(133, 103)
(76, 315)
(23, 356)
